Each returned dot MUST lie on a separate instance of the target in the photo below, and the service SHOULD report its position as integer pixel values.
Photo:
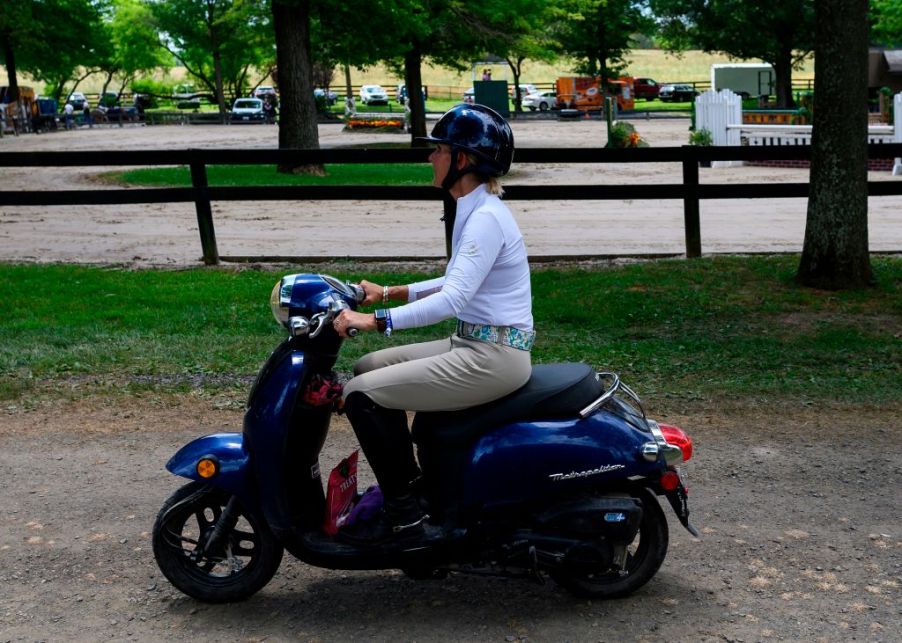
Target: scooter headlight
(279, 299)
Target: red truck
(645, 88)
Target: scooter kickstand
(534, 572)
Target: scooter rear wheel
(644, 558)
(244, 563)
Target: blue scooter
(559, 478)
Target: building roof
(893, 60)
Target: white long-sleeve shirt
(487, 278)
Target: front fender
(233, 473)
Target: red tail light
(677, 437)
(670, 481)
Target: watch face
(381, 317)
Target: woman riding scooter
(486, 286)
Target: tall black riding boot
(388, 447)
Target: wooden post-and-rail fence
(691, 191)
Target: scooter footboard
(225, 462)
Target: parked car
(185, 97)
(469, 94)
(118, 112)
(328, 95)
(248, 110)
(373, 95)
(108, 99)
(646, 88)
(525, 90)
(679, 93)
(78, 100)
(263, 91)
(542, 101)
(401, 94)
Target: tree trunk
(220, 95)
(9, 56)
(297, 118)
(413, 80)
(783, 80)
(835, 253)
(516, 72)
(350, 107)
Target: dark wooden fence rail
(690, 190)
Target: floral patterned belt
(504, 335)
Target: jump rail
(690, 190)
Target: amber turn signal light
(207, 467)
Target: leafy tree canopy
(51, 39)
(781, 33)
(217, 41)
(886, 17)
(599, 33)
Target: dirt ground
(798, 510)
(798, 507)
(166, 234)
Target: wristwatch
(383, 321)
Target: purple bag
(370, 503)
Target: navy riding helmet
(480, 131)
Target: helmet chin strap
(453, 173)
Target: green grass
(245, 175)
(720, 328)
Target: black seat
(553, 392)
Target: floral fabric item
(504, 335)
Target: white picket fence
(721, 114)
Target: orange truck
(584, 92)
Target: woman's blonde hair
(492, 184)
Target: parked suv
(679, 93)
(645, 88)
(78, 100)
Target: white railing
(721, 114)
(798, 134)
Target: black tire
(646, 553)
(543, 107)
(247, 562)
(425, 573)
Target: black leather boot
(388, 447)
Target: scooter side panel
(229, 451)
(534, 459)
(286, 442)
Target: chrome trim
(318, 322)
(616, 387)
(650, 451)
(673, 455)
(655, 429)
(607, 395)
(298, 326)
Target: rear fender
(232, 459)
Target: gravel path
(799, 515)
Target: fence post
(715, 112)
(204, 213)
(897, 130)
(690, 203)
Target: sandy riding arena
(166, 234)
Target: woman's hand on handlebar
(349, 319)
(373, 292)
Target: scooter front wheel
(644, 557)
(243, 561)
